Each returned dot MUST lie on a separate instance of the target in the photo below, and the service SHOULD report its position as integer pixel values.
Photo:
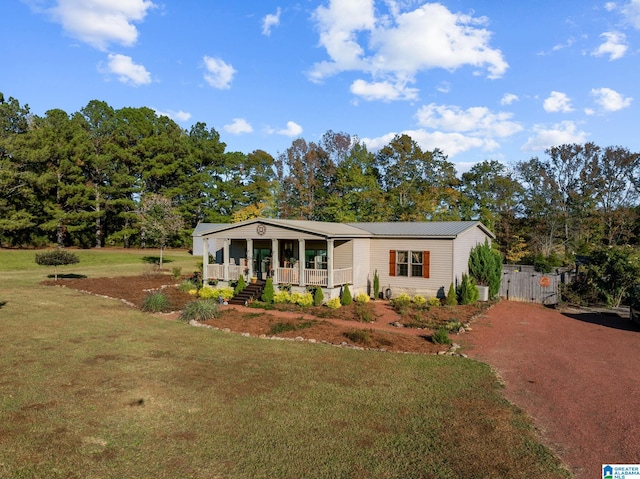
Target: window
(402, 263)
(416, 263)
(409, 263)
(316, 259)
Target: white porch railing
(312, 277)
(288, 275)
(216, 271)
(342, 276)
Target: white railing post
(205, 260)
(302, 256)
(330, 263)
(225, 257)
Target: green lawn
(92, 388)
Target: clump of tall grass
(155, 302)
(200, 310)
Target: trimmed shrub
(346, 298)
(55, 258)
(485, 267)
(240, 285)
(419, 300)
(362, 298)
(268, 291)
(282, 297)
(200, 310)
(318, 297)
(155, 302)
(334, 303)
(215, 293)
(302, 299)
(451, 300)
(433, 301)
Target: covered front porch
(298, 262)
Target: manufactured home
(411, 257)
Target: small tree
(485, 267)
(55, 258)
(467, 291)
(376, 285)
(346, 298)
(159, 220)
(614, 271)
(268, 291)
(451, 296)
(318, 297)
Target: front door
(262, 262)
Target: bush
(362, 298)
(187, 285)
(282, 297)
(268, 291)
(376, 285)
(419, 300)
(155, 302)
(433, 301)
(318, 297)
(364, 312)
(346, 298)
(176, 272)
(55, 258)
(485, 267)
(467, 291)
(358, 336)
(451, 300)
(215, 293)
(334, 303)
(240, 285)
(441, 336)
(200, 310)
(302, 299)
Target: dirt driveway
(576, 373)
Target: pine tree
(346, 298)
(268, 291)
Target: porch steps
(250, 292)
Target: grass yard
(90, 387)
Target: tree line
(80, 179)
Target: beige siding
(461, 249)
(342, 254)
(361, 248)
(440, 271)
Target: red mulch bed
(310, 324)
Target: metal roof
(431, 229)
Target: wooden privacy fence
(530, 286)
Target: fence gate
(530, 286)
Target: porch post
(205, 260)
(301, 259)
(225, 256)
(329, 263)
(250, 256)
(275, 261)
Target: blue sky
(500, 80)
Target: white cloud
(238, 126)
(383, 91)
(219, 74)
(451, 144)
(557, 102)
(393, 48)
(508, 99)
(269, 21)
(100, 22)
(180, 116)
(615, 46)
(475, 121)
(610, 100)
(610, 6)
(562, 133)
(127, 71)
(631, 12)
(292, 129)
